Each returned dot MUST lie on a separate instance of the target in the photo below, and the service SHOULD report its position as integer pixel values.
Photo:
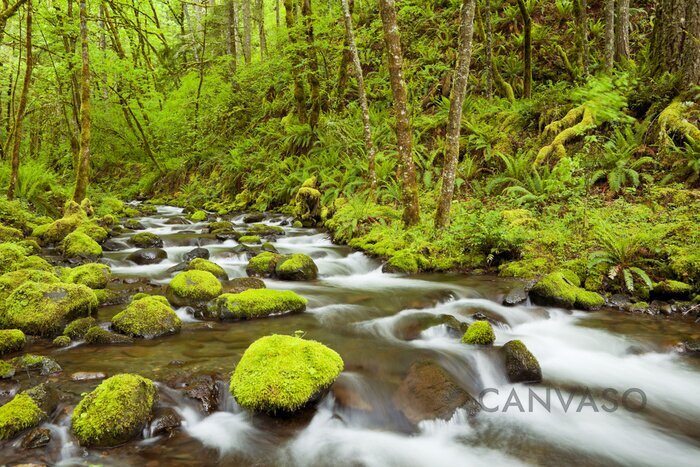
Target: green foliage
(618, 164)
(622, 255)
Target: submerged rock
(193, 288)
(479, 333)
(146, 240)
(198, 252)
(429, 392)
(165, 421)
(115, 412)
(256, 303)
(562, 289)
(521, 365)
(148, 256)
(148, 317)
(36, 438)
(296, 267)
(281, 374)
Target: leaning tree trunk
(622, 30)
(299, 90)
(454, 121)
(675, 41)
(527, 49)
(364, 107)
(83, 170)
(14, 174)
(404, 139)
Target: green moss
(9, 234)
(201, 264)
(283, 373)
(199, 216)
(479, 333)
(57, 230)
(45, 308)
(402, 262)
(639, 306)
(256, 303)
(148, 317)
(219, 225)
(190, 287)
(29, 362)
(307, 205)
(562, 289)
(108, 220)
(141, 295)
(263, 230)
(669, 289)
(11, 280)
(267, 246)
(61, 341)
(249, 239)
(93, 275)
(7, 370)
(93, 230)
(105, 295)
(521, 364)
(11, 340)
(296, 267)
(145, 240)
(98, 335)
(10, 254)
(20, 413)
(77, 328)
(116, 411)
(263, 265)
(78, 245)
(297, 224)
(34, 262)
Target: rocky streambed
(406, 375)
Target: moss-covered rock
(307, 203)
(263, 230)
(297, 224)
(115, 412)
(76, 329)
(219, 225)
(93, 275)
(200, 264)
(77, 245)
(133, 224)
(10, 254)
(9, 234)
(263, 265)
(56, 231)
(146, 240)
(34, 262)
(100, 336)
(562, 289)
(61, 341)
(281, 374)
(11, 340)
(249, 239)
(672, 290)
(404, 262)
(296, 267)
(255, 303)
(93, 230)
(193, 288)
(20, 413)
(44, 365)
(521, 365)
(267, 246)
(7, 370)
(479, 333)
(198, 216)
(147, 317)
(240, 284)
(11, 280)
(45, 308)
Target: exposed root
(673, 122)
(575, 123)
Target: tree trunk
(581, 7)
(312, 59)
(527, 49)
(454, 121)
(83, 172)
(675, 41)
(609, 34)
(404, 138)
(489, 49)
(299, 91)
(14, 174)
(622, 28)
(231, 34)
(357, 66)
(247, 26)
(260, 9)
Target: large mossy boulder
(521, 366)
(93, 230)
(562, 289)
(146, 240)
(201, 264)
(76, 329)
(93, 275)
(11, 340)
(10, 255)
(147, 317)
(26, 410)
(11, 280)
(281, 374)
(44, 309)
(672, 290)
(296, 267)
(255, 303)
(115, 412)
(479, 333)
(79, 246)
(429, 392)
(193, 288)
(263, 265)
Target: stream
(363, 313)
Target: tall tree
(247, 26)
(7, 10)
(622, 31)
(297, 60)
(260, 18)
(231, 34)
(362, 94)
(454, 120)
(14, 173)
(609, 34)
(675, 40)
(404, 138)
(489, 48)
(527, 48)
(312, 60)
(83, 169)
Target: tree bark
(582, 33)
(527, 49)
(404, 137)
(260, 9)
(83, 172)
(364, 106)
(297, 63)
(454, 121)
(489, 49)
(675, 41)
(622, 28)
(609, 34)
(21, 108)
(231, 35)
(312, 59)
(247, 26)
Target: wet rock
(196, 253)
(346, 396)
(428, 392)
(296, 267)
(26, 410)
(133, 224)
(146, 240)
(87, 375)
(114, 245)
(521, 365)
(252, 304)
(240, 284)
(148, 316)
(36, 438)
(672, 290)
(97, 335)
(44, 365)
(177, 221)
(267, 246)
(148, 256)
(214, 227)
(224, 235)
(165, 421)
(179, 267)
(263, 265)
(253, 217)
(204, 389)
(562, 289)
(619, 300)
(411, 326)
(262, 230)
(515, 296)
(193, 288)
(659, 307)
(76, 329)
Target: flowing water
(364, 315)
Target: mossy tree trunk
(609, 12)
(260, 14)
(362, 94)
(231, 34)
(622, 31)
(297, 60)
(454, 121)
(527, 48)
(489, 48)
(22, 106)
(675, 41)
(247, 26)
(83, 169)
(312, 59)
(404, 138)
(581, 7)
